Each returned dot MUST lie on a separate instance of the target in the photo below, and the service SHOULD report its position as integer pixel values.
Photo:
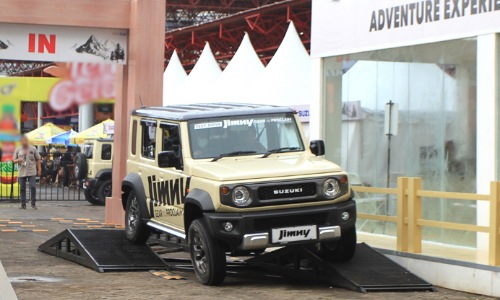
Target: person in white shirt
(29, 166)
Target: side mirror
(168, 159)
(317, 147)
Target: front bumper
(254, 230)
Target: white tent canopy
(285, 81)
(174, 78)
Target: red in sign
(44, 43)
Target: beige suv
(93, 167)
(234, 179)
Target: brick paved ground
(39, 276)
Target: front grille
(287, 191)
(289, 221)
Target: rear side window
(172, 141)
(106, 152)
(133, 139)
(148, 136)
(88, 150)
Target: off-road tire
(101, 192)
(90, 198)
(207, 254)
(81, 166)
(342, 250)
(136, 230)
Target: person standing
(66, 161)
(29, 166)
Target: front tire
(135, 229)
(207, 255)
(104, 191)
(90, 198)
(342, 250)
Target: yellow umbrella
(39, 136)
(99, 131)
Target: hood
(232, 169)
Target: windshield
(213, 137)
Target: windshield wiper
(278, 150)
(234, 153)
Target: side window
(133, 139)
(171, 140)
(106, 152)
(88, 150)
(148, 139)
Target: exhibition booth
(411, 89)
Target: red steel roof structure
(266, 26)
(183, 13)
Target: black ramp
(370, 270)
(367, 271)
(102, 250)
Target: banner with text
(62, 43)
(351, 26)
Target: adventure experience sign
(345, 26)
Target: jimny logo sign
(62, 43)
(82, 83)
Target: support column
(39, 114)
(331, 106)
(86, 116)
(39, 122)
(316, 119)
(142, 77)
(487, 126)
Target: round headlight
(331, 188)
(241, 196)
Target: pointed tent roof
(244, 60)
(290, 47)
(39, 136)
(206, 65)
(174, 78)
(238, 80)
(287, 78)
(199, 86)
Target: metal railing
(409, 220)
(46, 188)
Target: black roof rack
(183, 112)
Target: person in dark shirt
(66, 160)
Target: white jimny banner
(62, 43)
(350, 26)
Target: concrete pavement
(35, 275)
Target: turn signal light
(343, 179)
(225, 190)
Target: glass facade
(433, 87)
